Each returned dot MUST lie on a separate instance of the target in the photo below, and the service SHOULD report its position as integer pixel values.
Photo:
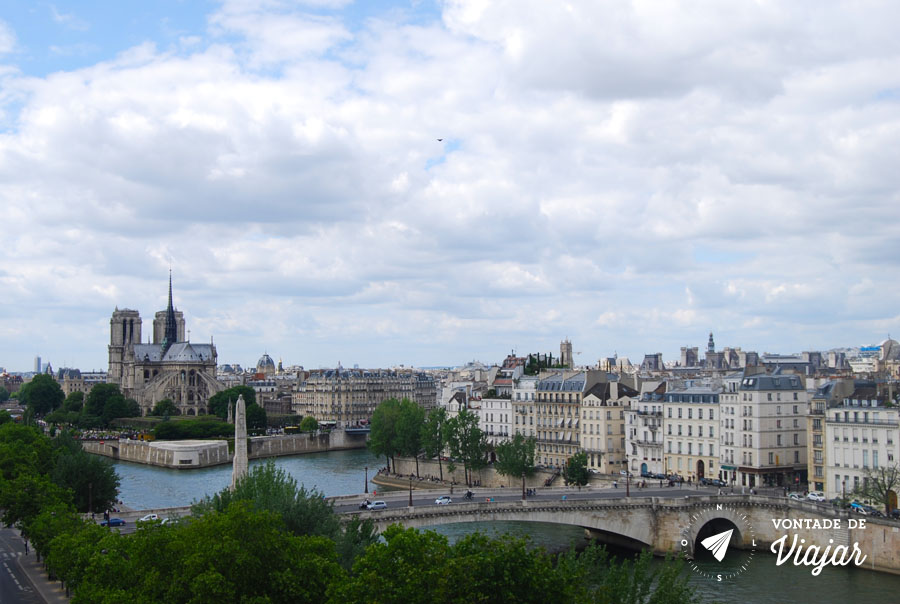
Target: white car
(377, 505)
(816, 496)
(443, 500)
(149, 517)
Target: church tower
(124, 332)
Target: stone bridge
(666, 525)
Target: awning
(722, 467)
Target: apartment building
(603, 425)
(765, 431)
(644, 431)
(691, 432)
(495, 416)
(348, 397)
(861, 435)
(557, 413)
(524, 390)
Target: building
(523, 397)
(566, 359)
(75, 380)
(495, 417)
(765, 431)
(644, 431)
(828, 395)
(603, 425)
(173, 368)
(691, 432)
(557, 413)
(861, 435)
(348, 397)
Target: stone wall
(487, 477)
(185, 454)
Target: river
(343, 473)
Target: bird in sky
(440, 139)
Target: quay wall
(181, 454)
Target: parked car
(149, 517)
(816, 496)
(795, 496)
(625, 473)
(113, 522)
(895, 513)
(443, 500)
(377, 505)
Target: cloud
(7, 38)
(628, 175)
(69, 20)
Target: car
(716, 482)
(816, 496)
(895, 513)
(625, 473)
(113, 522)
(377, 505)
(443, 500)
(149, 517)
(795, 496)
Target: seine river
(343, 473)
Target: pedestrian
(615, 484)
(26, 547)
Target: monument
(239, 469)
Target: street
(14, 585)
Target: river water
(343, 473)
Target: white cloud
(7, 38)
(628, 175)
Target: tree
(383, 438)
(219, 402)
(95, 401)
(881, 485)
(409, 430)
(516, 458)
(433, 436)
(256, 419)
(74, 402)
(467, 442)
(4, 394)
(575, 471)
(164, 407)
(23, 499)
(92, 480)
(5, 417)
(42, 394)
(119, 406)
(309, 424)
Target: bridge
(669, 524)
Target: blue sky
(629, 175)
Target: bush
(190, 429)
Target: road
(15, 587)
(426, 498)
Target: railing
(875, 422)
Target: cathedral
(168, 368)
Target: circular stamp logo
(711, 540)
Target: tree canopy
(219, 402)
(576, 470)
(309, 424)
(41, 395)
(467, 442)
(164, 407)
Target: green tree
(5, 417)
(164, 407)
(309, 424)
(434, 437)
(92, 480)
(409, 430)
(383, 439)
(467, 442)
(515, 458)
(256, 419)
(23, 450)
(100, 394)
(119, 406)
(219, 402)
(42, 394)
(23, 498)
(74, 402)
(4, 394)
(576, 471)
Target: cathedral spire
(170, 335)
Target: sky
(432, 182)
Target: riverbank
(193, 454)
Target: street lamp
(367, 480)
(410, 492)
(844, 489)
(627, 478)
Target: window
(670, 412)
(795, 406)
(771, 458)
(699, 413)
(679, 413)
(796, 439)
(778, 440)
(796, 456)
(690, 413)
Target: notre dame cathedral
(168, 368)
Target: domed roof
(890, 350)
(265, 364)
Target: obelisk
(239, 469)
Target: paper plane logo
(718, 544)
